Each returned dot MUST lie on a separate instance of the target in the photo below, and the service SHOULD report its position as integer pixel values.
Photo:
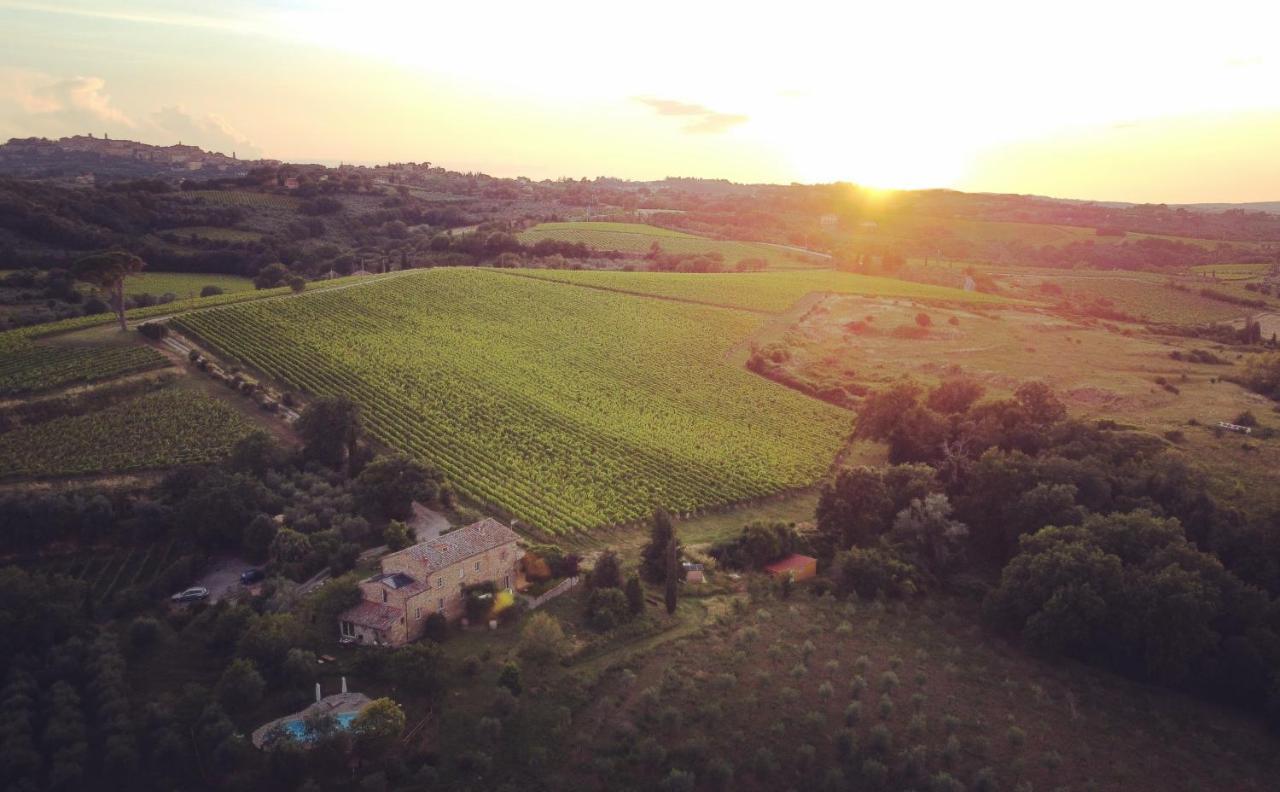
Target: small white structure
(1230, 427)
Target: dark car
(250, 576)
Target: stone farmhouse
(430, 578)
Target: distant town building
(828, 221)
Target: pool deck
(336, 704)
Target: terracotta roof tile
(460, 545)
(374, 615)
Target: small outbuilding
(694, 573)
(798, 567)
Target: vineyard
(768, 292)
(28, 367)
(246, 198)
(568, 408)
(638, 238)
(159, 429)
(106, 573)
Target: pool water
(297, 728)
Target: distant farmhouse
(430, 578)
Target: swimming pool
(297, 728)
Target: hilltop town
(85, 158)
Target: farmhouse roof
(373, 615)
(461, 544)
(790, 564)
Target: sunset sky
(1118, 100)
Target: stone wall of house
(446, 585)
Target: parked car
(251, 576)
(191, 595)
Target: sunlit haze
(1134, 101)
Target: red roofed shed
(799, 567)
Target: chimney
(317, 692)
(344, 684)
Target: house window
(384, 596)
(477, 566)
(439, 582)
(347, 629)
(441, 607)
(417, 613)
(502, 555)
(506, 581)
(461, 572)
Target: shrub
(143, 631)
(888, 681)
(607, 608)
(951, 751)
(923, 319)
(945, 782)
(210, 291)
(509, 677)
(886, 707)
(880, 739)
(874, 773)
(852, 713)
(542, 639)
(826, 690)
(857, 686)
(1017, 736)
(917, 725)
(154, 331)
(985, 781)
(397, 536)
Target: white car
(191, 595)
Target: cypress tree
(673, 574)
(653, 558)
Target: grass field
(1147, 296)
(162, 428)
(184, 284)
(637, 238)
(567, 407)
(767, 292)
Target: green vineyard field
(163, 428)
(568, 408)
(29, 368)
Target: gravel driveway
(223, 577)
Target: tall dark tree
(673, 575)
(389, 485)
(331, 429)
(635, 595)
(108, 271)
(653, 558)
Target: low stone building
(428, 578)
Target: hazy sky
(1116, 100)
